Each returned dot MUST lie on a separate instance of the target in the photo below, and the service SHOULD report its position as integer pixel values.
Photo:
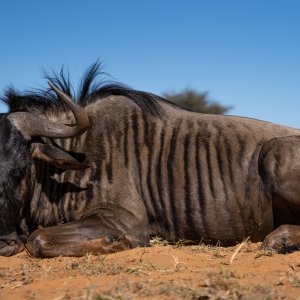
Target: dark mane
(90, 89)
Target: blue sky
(244, 53)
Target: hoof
(283, 240)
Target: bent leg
(77, 238)
(284, 239)
(279, 166)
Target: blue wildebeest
(106, 172)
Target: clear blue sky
(245, 53)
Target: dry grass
(215, 250)
(98, 265)
(222, 285)
(165, 271)
(15, 279)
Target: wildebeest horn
(32, 125)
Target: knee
(284, 239)
(37, 243)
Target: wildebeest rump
(106, 172)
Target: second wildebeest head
(21, 141)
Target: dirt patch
(160, 272)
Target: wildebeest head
(17, 148)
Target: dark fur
(89, 91)
(13, 167)
(149, 169)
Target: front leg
(286, 238)
(279, 166)
(78, 238)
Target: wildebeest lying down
(107, 172)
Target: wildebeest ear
(56, 157)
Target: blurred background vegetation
(196, 101)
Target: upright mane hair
(90, 89)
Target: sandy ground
(159, 272)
